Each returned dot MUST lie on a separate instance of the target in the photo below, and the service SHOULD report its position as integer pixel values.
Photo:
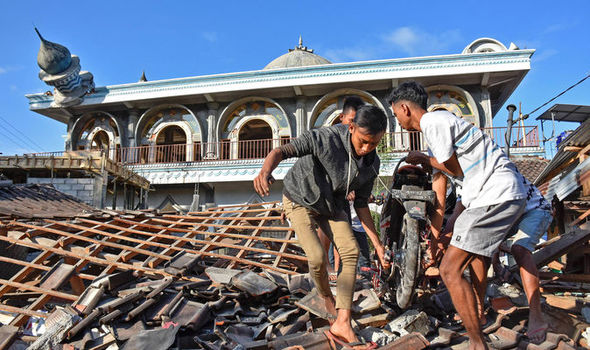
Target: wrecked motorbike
(405, 232)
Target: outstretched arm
(367, 222)
(264, 179)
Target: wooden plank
(245, 205)
(580, 218)
(18, 310)
(247, 244)
(282, 249)
(207, 233)
(561, 245)
(52, 293)
(239, 227)
(566, 277)
(162, 245)
(124, 266)
(91, 240)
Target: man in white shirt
(493, 196)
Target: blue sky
(116, 40)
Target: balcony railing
(395, 142)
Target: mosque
(201, 140)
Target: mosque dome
(300, 56)
(53, 58)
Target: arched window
(250, 127)
(97, 131)
(100, 141)
(254, 139)
(327, 113)
(168, 133)
(173, 141)
(455, 100)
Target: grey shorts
(481, 230)
(531, 227)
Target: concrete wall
(221, 193)
(227, 193)
(81, 188)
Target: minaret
(61, 70)
(142, 79)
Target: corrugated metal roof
(579, 138)
(566, 113)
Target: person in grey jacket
(333, 161)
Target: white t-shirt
(534, 198)
(488, 176)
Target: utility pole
(509, 123)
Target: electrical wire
(16, 143)
(29, 141)
(561, 93)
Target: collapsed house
(225, 278)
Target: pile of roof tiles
(226, 278)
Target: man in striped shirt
(493, 196)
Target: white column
(300, 116)
(131, 126)
(211, 149)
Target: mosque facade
(208, 135)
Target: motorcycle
(405, 232)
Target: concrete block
(78, 187)
(89, 187)
(84, 195)
(85, 181)
(63, 187)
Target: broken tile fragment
(409, 322)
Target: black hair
(352, 103)
(370, 118)
(409, 91)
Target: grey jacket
(319, 179)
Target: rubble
(226, 278)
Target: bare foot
(330, 304)
(537, 330)
(344, 332)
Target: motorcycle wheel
(408, 270)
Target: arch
(255, 138)
(100, 141)
(482, 45)
(172, 150)
(86, 128)
(455, 100)
(156, 119)
(229, 122)
(332, 104)
(167, 114)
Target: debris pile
(229, 278)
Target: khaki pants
(340, 233)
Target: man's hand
(381, 254)
(350, 197)
(262, 183)
(417, 157)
